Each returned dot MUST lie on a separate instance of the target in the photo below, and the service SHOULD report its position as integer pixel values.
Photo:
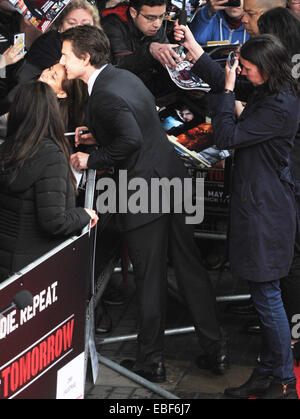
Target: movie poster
(192, 136)
(190, 128)
(41, 13)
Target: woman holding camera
(263, 209)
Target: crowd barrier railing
(42, 339)
(46, 343)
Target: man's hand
(165, 54)
(87, 139)
(215, 5)
(184, 35)
(94, 217)
(79, 161)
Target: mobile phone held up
(20, 38)
(232, 3)
(231, 59)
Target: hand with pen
(82, 136)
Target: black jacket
(45, 51)
(263, 209)
(37, 210)
(129, 46)
(122, 117)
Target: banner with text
(42, 345)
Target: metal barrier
(42, 342)
(70, 315)
(90, 339)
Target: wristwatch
(228, 91)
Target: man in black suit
(123, 120)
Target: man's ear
(61, 95)
(86, 58)
(133, 12)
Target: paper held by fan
(186, 151)
(183, 76)
(41, 13)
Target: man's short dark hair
(89, 39)
(138, 4)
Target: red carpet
(297, 372)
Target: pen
(69, 134)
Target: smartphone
(232, 3)
(20, 38)
(231, 59)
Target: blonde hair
(78, 4)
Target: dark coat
(263, 210)
(37, 210)
(123, 118)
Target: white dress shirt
(93, 77)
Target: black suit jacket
(123, 118)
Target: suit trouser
(148, 247)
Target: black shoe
(243, 309)
(278, 391)
(103, 320)
(155, 372)
(251, 329)
(218, 363)
(113, 296)
(254, 387)
(104, 325)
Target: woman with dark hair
(72, 95)
(263, 209)
(37, 187)
(284, 24)
(46, 50)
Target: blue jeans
(276, 357)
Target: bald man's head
(254, 9)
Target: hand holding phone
(12, 55)
(231, 71)
(19, 39)
(231, 59)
